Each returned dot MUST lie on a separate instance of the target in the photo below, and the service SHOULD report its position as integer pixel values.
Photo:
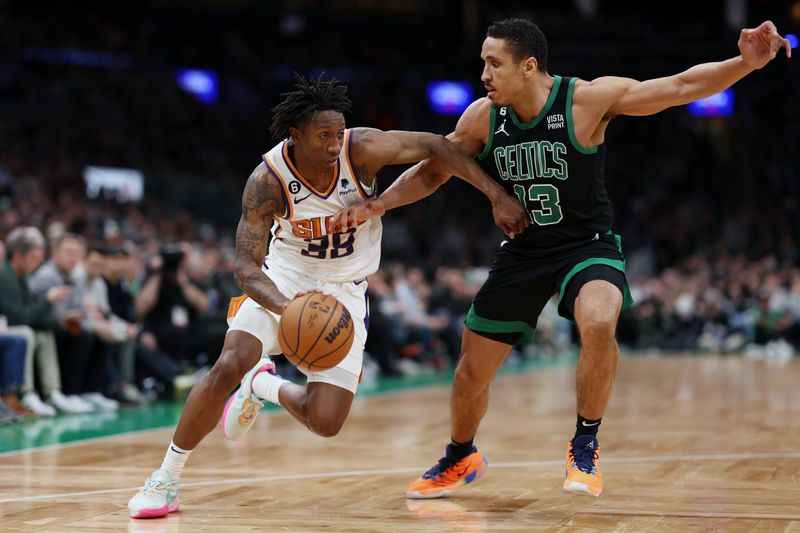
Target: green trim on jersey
(550, 99)
(488, 147)
(627, 299)
(570, 127)
(477, 323)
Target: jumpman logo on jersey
(502, 129)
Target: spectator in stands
(123, 333)
(206, 272)
(33, 315)
(150, 361)
(169, 303)
(83, 346)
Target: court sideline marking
(348, 473)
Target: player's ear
(531, 66)
(294, 134)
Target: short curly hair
(309, 96)
(524, 39)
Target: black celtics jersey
(559, 182)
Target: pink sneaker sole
(158, 513)
(225, 413)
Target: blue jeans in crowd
(12, 363)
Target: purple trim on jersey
(366, 315)
(286, 202)
(353, 170)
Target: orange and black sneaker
(583, 472)
(448, 474)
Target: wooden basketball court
(687, 444)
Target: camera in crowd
(172, 255)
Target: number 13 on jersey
(547, 196)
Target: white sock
(266, 386)
(174, 460)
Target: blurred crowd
(94, 323)
(723, 304)
(98, 310)
(106, 304)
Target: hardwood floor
(687, 444)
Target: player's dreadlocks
(309, 95)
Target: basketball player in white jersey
(319, 168)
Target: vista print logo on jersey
(555, 121)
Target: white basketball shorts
(263, 324)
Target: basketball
(316, 331)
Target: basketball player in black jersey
(541, 137)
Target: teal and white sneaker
(158, 497)
(243, 406)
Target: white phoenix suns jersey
(300, 240)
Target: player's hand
(298, 295)
(352, 216)
(760, 45)
(509, 215)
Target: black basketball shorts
(521, 282)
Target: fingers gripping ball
(316, 331)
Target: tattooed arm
(261, 200)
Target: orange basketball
(316, 331)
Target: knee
(26, 332)
(231, 366)
(325, 426)
(598, 330)
(470, 373)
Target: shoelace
(439, 468)
(584, 459)
(152, 485)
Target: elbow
(442, 142)
(239, 278)
(436, 143)
(447, 151)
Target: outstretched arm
(624, 96)
(375, 149)
(260, 201)
(423, 179)
(443, 158)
